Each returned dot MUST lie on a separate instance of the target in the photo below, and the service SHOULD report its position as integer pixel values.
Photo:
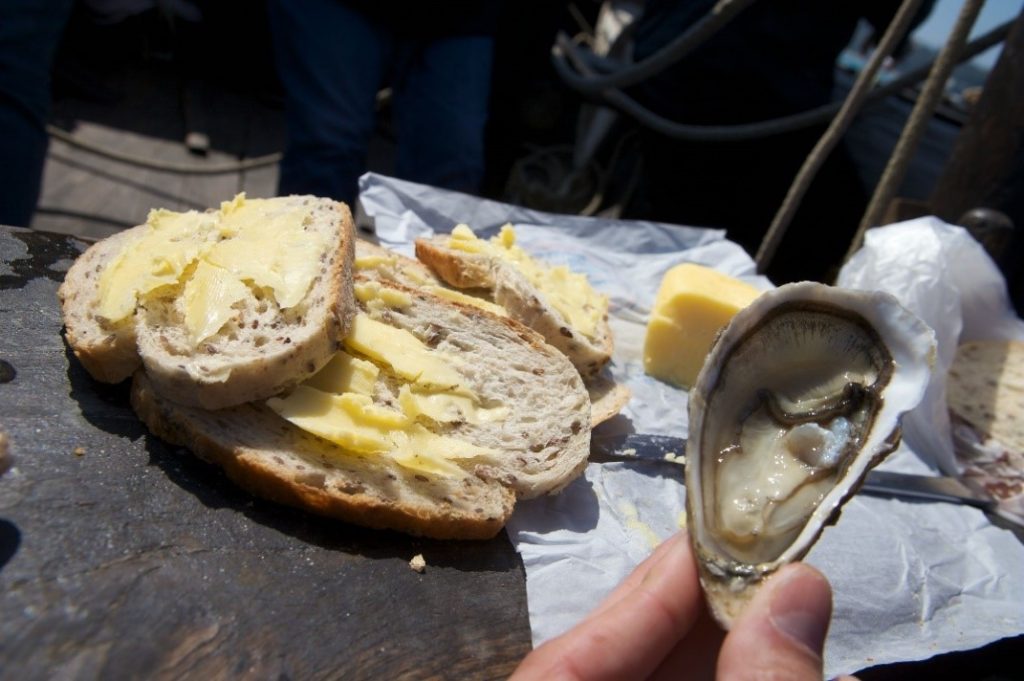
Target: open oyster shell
(800, 396)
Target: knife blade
(669, 450)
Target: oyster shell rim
(729, 584)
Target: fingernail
(801, 607)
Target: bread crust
(456, 268)
(107, 351)
(607, 398)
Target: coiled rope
(565, 47)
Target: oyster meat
(800, 396)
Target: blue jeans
(29, 33)
(332, 60)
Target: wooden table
(123, 557)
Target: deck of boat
(144, 109)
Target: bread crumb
(418, 563)
(79, 451)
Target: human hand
(654, 625)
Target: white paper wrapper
(940, 273)
(911, 580)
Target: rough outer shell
(728, 583)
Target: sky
(934, 30)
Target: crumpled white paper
(940, 273)
(910, 580)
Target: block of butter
(692, 304)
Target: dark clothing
(332, 59)
(432, 19)
(773, 59)
(29, 33)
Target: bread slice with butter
(607, 397)
(106, 348)
(434, 418)
(557, 303)
(221, 307)
(374, 261)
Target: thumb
(781, 633)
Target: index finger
(628, 638)
(638, 574)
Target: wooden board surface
(124, 557)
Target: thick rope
(931, 95)
(851, 105)
(774, 126)
(719, 15)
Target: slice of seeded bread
(263, 349)
(269, 457)
(382, 264)
(524, 302)
(257, 353)
(374, 261)
(107, 351)
(607, 398)
(540, 445)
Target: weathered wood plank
(93, 196)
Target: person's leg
(30, 31)
(441, 92)
(330, 60)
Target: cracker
(986, 389)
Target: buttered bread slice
(607, 398)
(554, 301)
(374, 261)
(433, 419)
(221, 307)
